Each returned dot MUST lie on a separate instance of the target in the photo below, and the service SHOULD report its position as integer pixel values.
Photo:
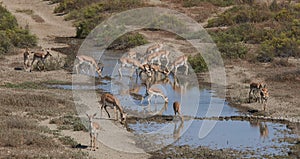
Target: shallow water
(263, 138)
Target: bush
(168, 22)
(232, 50)
(89, 13)
(282, 46)
(198, 64)
(230, 44)
(221, 3)
(11, 35)
(241, 14)
(129, 40)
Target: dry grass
(37, 18)
(290, 76)
(22, 137)
(35, 104)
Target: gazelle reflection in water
(263, 128)
(177, 130)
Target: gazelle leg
(167, 62)
(116, 114)
(186, 69)
(249, 95)
(149, 98)
(120, 69)
(91, 141)
(175, 72)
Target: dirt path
(38, 16)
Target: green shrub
(89, 13)
(197, 62)
(67, 140)
(11, 35)
(168, 22)
(281, 46)
(232, 50)
(241, 14)
(221, 3)
(129, 40)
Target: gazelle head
(166, 71)
(166, 99)
(91, 117)
(123, 117)
(48, 52)
(99, 71)
(264, 93)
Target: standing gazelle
(154, 48)
(113, 102)
(40, 57)
(157, 56)
(264, 95)
(180, 61)
(129, 62)
(93, 129)
(89, 60)
(26, 55)
(255, 88)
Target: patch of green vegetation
(168, 22)
(221, 3)
(26, 11)
(241, 14)
(89, 13)
(11, 35)
(67, 140)
(129, 40)
(69, 122)
(197, 62)
(229, 44)
(276, 30)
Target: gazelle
(26, 55)
(180, 61)
(111, 101)
(264, 95)
(40, 57)
(255, 88)
(93, 129)
(155, 92)
(155, 69)
(129, 62)
(157, 56)
(132, 54)
(90, 61)
(154, 48)
(177, 109)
